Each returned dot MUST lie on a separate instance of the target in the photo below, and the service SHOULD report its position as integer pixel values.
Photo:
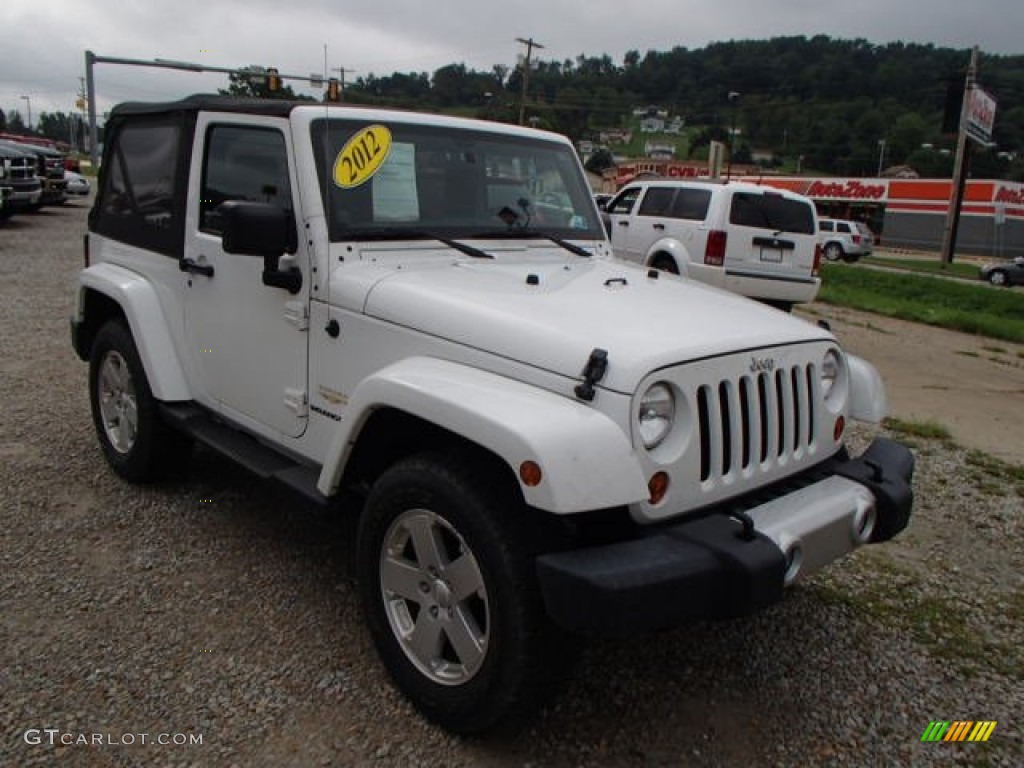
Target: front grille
(756, 421)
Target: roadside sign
(981, 116)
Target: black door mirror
(262, 229)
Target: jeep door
(247, 341)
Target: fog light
(658, 487)
(530, 474)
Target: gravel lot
(224, 609)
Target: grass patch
(940, 623)
(968, 271)
(919, 298)
(995, 350)
(929, 430)
(992, 468)
(967, 353)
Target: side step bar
(246, 450)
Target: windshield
(379, 180)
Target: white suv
(846, 240)
(756, 241)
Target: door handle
(187, 265)
(658, 226)
(623, 223)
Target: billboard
(981, 116)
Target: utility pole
(963, 149)
(530, 45)
(341, 80)
(28, 102)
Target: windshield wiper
(535, 234)
(399, 233)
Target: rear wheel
(833, 251)
(135, 441)
(447, 581)
(665, 263)
(997, 277)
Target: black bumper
(704, 568)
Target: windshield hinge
(297, 313)
(296, 402)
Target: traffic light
(333, 90)
(273, 79)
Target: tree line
(828, 105)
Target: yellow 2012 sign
(362, 156)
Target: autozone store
(911, 213)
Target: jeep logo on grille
(762, 364)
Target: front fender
(672, 247)
(138, 299)
(868, 400)
(586, 459)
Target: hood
(552, 312)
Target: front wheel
(134, 439)
(997, 277)
(447, 582)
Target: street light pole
(28, 102)
(881, 155)
(733, 98)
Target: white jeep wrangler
(543, 440)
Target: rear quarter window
(141, 199)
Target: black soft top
(212, 102)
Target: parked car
(1004, 272)
(49, 169)
(756, 241)
(78, 185)
(846, 240)
(20, 177)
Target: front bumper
(731, 563)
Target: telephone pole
(530, 45)
(341, 80)
(963, 149)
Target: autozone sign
(847, 189)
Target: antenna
(328, 181)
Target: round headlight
(656, 414)
(830, 367)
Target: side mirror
(261, 229)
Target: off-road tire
(477, 522)
(135, 441)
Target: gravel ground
(221, 609)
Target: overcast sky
(42, 42)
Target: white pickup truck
(421, 315)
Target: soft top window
(141, 198)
